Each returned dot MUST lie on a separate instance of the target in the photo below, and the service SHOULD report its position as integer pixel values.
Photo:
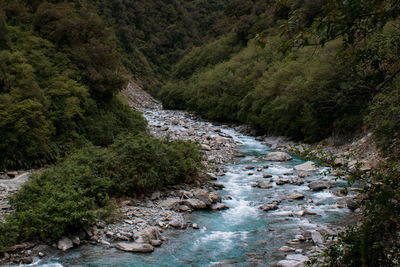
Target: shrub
(75, 193)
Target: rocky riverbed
(261, 206)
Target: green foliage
(374, 240)
(383, 119)
(82, 34)
(75, 193)
(141, 163)
(104, 122)
(60, 200)
(210, 54)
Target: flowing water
(243, 235)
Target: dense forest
(284, 86)
(62, 65)
(307, 69)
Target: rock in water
(318, 185)
(278, 156)
(134, 247)
(296, 196)
(219, 206)
(268, 207)
(263, 185)
(64, 244)
(308, 166)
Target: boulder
(268, 207)
(64, 244)
(287, 249)
(267, 176)
(278, 156)
(318, 185)
(178, 224)
(194, 203)
(184, 208)
(205, 147)
(134, 247)
(185, 194)
(170, 203)
(156, 243)
(308, 166)
(297, 257)
(218, 186)
(317, 238)
(219, 206)
(203, 196)
(296, 196)
(352, 204)
(215, 198)
(76, 240)
(289, 263)
(148, 234)
(282, 181)
(263, 185)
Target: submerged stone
(134, 247)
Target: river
(242, 235)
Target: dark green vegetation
(75, 193)
(62, 65)
(63, 62)
(307, 69)
(308, 93)
(374, 240)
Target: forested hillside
(306, 69)
(62, 65)
(307, 92)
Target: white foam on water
(239, 211)
(324, 195)
(225, 239)
(38, 263)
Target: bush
(75, 193)
(59, 201)
(104, 121)
(374, 240)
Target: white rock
(308, 166)
(317, 238)
(287, 249)
(64, 244)
(278, 156)
(148, 234)
(194, 203)
(297, 257)
(296, 196)
(134, 247)
(205, 147)
(289, 263)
